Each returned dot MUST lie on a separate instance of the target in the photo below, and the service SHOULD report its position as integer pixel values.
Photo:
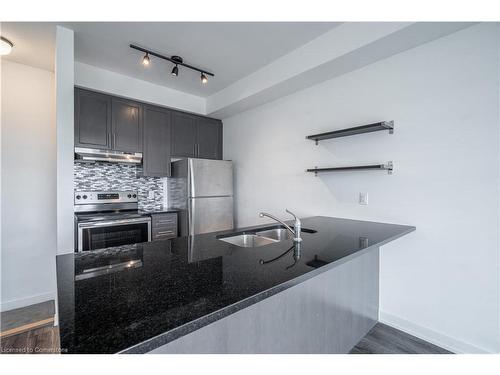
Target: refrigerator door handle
(191, 215)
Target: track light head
(146, 60)
(175, 71)
(203, 78)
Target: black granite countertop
(136, 298)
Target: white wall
(28, 194)
(99, 79)
(442, 281)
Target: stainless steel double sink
(260, 236)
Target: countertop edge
(169, 336)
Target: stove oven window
(118, 235)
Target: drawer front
(164, 220)
(164, 233)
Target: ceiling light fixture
(146, 60)
(5, 46)
(177, 60)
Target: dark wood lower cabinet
(163, 226)
(156, 149)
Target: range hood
(92, 154)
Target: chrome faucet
(297, 225)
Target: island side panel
(328, 313)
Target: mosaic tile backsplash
(110, 176)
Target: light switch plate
(363, 198)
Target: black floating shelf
(375, 127)
(387, 167)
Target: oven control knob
(78, 197)
(84, 197)
(130, 195)
(135, 195)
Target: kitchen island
(200, 294)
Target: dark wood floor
(43, 340)
(383, 339)
(29, 330)
(13, 320)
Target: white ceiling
(34, 43)
(231, 50)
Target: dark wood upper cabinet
(126, 125)
(209, 138)
(92, 119)
(197, 137)
(157, 129)
(112, 123)
(183, 135)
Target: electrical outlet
(363, 198)
(151, 194)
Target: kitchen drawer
(163, 220)
(163, 233)
(163, 226)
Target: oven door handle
(114, 223)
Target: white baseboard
(436, 338)
(27, 301)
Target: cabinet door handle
(194, 149)
(165, 232)
(114, 139)
(109, 139)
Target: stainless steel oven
(109, 233)
(108, 219)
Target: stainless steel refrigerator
(202, 191)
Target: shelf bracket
(389, 125)
(390, 167)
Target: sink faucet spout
(297, 224)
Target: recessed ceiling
(231, 50)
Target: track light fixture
(176, 60)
